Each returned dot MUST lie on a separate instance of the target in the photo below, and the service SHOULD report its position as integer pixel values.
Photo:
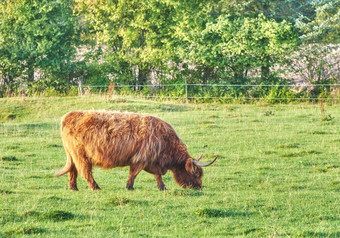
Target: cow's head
(190, 175)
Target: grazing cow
(111, 139)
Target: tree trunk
(238, 76)
(142, 77)
(8, 81)
(265, 71)
(265, 68)
(4, 80)
(30, 75)
(207, 74)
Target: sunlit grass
(277, 173)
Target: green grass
(278, 174)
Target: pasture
(278, 173)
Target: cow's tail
(66, 168)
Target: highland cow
(111, 139)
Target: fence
(187, 92)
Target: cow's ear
(189, 166)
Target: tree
(324, 26)
(279, 10)
(319, 65)
(239, 44)
(38, 36)
(317, 19)
(137, 33)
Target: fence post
(80, 87)
(110, 90)
(186, 90)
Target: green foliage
(218, 45)
(38, 36)
(138, 33)
(324, 26)
(237, 45)
(48, 46)
(280, 94)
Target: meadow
(278, 173)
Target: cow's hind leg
(134, 171)
(72, 177)
(72, 172)
(87, 174)
(84, 167)
(160, 183)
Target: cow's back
(111, 139)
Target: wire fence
(187, 93)
(213, 85)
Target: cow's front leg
(160, 183)
(134, 171)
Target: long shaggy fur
(111, 139)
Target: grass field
(278, 173)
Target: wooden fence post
(186, 90)
(110, 91)
(80, 88)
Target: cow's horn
(205, 164)
(200, 157)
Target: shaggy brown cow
(114, 139)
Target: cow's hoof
(162, 188)
(130, 187)
(74, 188)
(97, 188)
